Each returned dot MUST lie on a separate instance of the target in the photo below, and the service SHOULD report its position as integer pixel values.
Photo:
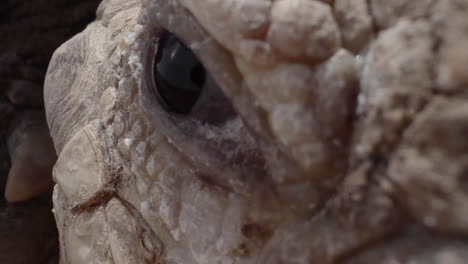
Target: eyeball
(178, 75)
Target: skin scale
(350, 132)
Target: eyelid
(222, 151)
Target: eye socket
(178, 75)
(186, 102)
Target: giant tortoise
(262, 131)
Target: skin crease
(332, 157)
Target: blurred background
(30, 30)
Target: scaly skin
(349, 139)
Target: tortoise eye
(178, 74)
(182, 94)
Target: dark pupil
(179, 76)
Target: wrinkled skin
(349, 144)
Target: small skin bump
(303, 28)
(355, 23)
(252, 18)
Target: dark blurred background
(30, 30)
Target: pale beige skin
(351, 117)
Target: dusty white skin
(137, 185)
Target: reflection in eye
(178, 74)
